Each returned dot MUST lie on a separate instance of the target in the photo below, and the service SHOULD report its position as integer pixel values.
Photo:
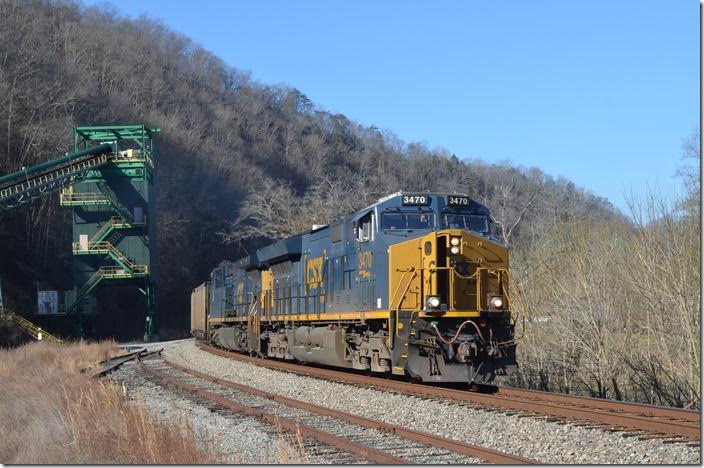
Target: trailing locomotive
(413, 285)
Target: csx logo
(314, 270)
(365, 260)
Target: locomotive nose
(474, 271)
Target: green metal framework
(113, 219)
(84, 137)
(109, 182)
(27, 184)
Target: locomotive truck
(414, 285)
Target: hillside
(228, 145)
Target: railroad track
(365, 438)
(111, 364)
(646, 421)
(688, 418)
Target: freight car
(413, 285)
(199, 310)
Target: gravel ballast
(530, 437)
(239, 439)
(244, 439)
(374, 439)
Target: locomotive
(414, 285)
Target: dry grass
(292, 448)
(50, 412)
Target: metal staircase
(34, 331)
(105, 248)
(103, 242)
(108, 181)
(107, 273)
(107, 228)
(100, 243)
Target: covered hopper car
(413, 285)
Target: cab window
(364, 228)
(401, 220)
(469, 222)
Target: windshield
(407, 220)
(469, 222)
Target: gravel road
(530, 437)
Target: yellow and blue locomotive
(413, 285)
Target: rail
(31, 187)
(375, 456)
(423, 438)
(112, 364)
(675, 423)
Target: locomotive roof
(400, 193)
(428, 192)
(290, 248)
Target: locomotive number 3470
(415, 200)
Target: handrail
(513, 299)
(398, 307)
(107, 272)
(68, 196)
(518, 299)
(113, 223)
(496, 272)
(398, 286)
(253, 320)
(87, 287)
(102, 231)
(104, 247)
(36, 332)
(130, 156)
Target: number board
(453, 200)
(415, 200)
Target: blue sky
(600, 92)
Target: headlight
(454, 241)
(433, 302)
(454, 250)
(496, 302)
